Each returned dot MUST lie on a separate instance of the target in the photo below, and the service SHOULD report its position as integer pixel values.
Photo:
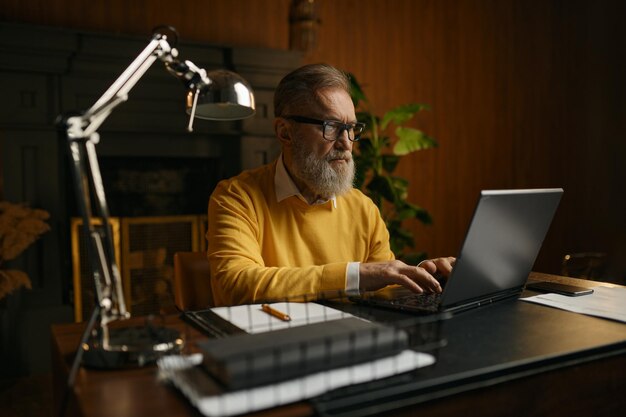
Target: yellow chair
(192, 281)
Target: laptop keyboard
(422, 301)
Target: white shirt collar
(285, 187)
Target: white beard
(319, 175)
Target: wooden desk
(512, 358)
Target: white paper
(267, 396)
(605, 302)
(252, 319)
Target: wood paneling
(257, 23)
(524, 93)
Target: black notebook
(247, 360)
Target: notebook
(497, 255)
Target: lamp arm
(107, 280)
(81, 133)
(114, 347)
(192, 76)
(118, 91)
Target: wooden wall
(524, 93)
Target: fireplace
(159, 186)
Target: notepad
(252, 319)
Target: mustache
(335, 154)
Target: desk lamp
(217, 95)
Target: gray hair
(300, 87)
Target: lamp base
(131, 347)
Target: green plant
(377, 156)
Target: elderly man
(297, 226)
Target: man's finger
(426, 280)
(408, 283)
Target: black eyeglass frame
(335, 123)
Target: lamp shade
(226, 97)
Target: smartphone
(555, 287)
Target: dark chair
(192, 281)
(586, 265)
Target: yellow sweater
(260, 249)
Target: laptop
(499, 250)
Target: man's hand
(440, 266)
(419, 279)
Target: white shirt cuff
(352, 279)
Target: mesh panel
(149, 247)
(144, 249)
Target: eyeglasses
(332, 129)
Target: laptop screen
(502, 242)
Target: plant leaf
(364, 164)
(11, 279)
(401, 114)
(400, 188)
(382, 186)
(405, 236)
(413, 211)
(366, 148)
(411, 140)
(390, 162)
(405, 213)
(413, 258)
(375, 164)
(359, 176)
(400, 238)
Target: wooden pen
(272, 311)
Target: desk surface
(509, 356)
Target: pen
(272, 311)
